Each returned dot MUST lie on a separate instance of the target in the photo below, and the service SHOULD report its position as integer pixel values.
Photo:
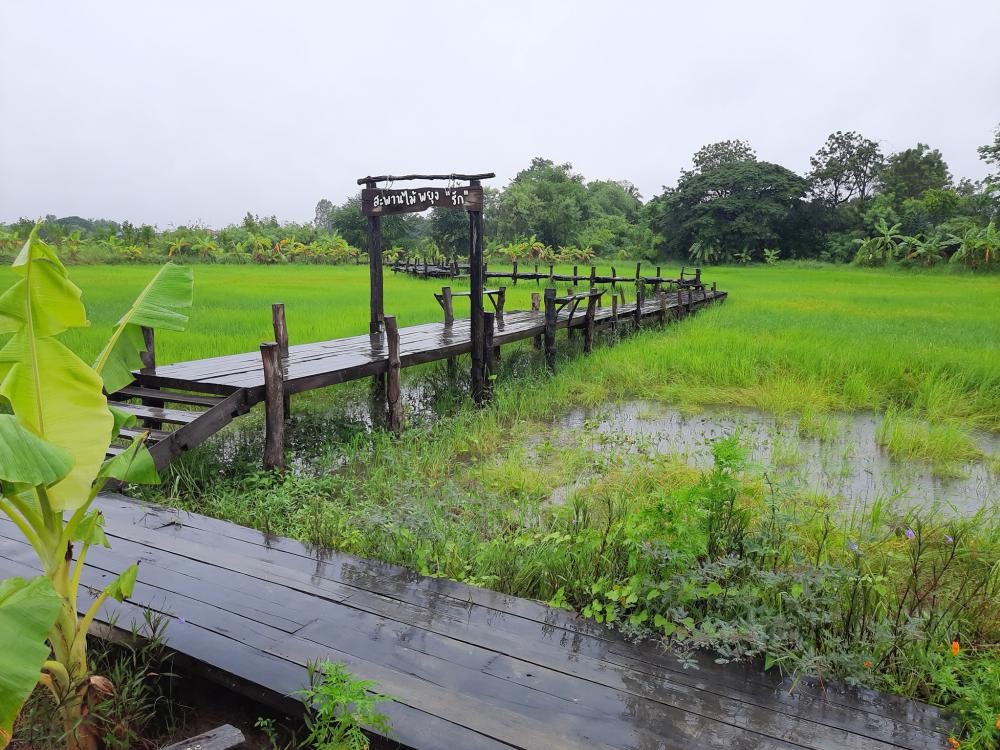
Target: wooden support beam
(536, 304)
(478, 377)
(448, 305)
(640, 297)
(274, 397)
(489, 351)
(501, 301)
(662, 297)
(588, 331)
(375, 273)
(593, 276)
(574, 275)
(394, 401)
(614, 312)
(550, 328)
(148, 360)
(281, 338)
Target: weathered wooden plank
(225, 737)
(173, 416)
(191, 399)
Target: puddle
(848, 463)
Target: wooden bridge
(471, 669)
(183, 404)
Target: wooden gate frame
(413, 200)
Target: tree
(909, 173)
(546, 199)
(718, 154)
(449, 230)
(324, 215)
(846, 167)
(735, 205)
(990, 153)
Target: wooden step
(135, 391)
(174, 416)
(155, 436)
(114, 450)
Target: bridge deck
(323, 363)
(470, 668)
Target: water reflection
(839, 457)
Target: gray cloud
(172, 112)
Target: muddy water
(847, 462)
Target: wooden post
(536, 274)
(663, 306)
(449, 305)
(550, 328)
(148, 357)
(551, 273)
(614, 284)
(281, 339)
(478, 376)
(640, 297)
(274, 396)
(593, 276)
(514, 275)
(148, 360)
(574, 275)
(657, 280)
(536, 304)
(714, 289)
(501, 301)
(375, 269)
(588, 331)
(449, 319)
(393, 398)
(489, 353)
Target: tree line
(855, 203)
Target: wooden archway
(378, 202)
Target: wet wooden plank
(463, 621)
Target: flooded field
(834, 455)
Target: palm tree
(177, 247)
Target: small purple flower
(948, 538)
(181, 620)
(910, 534)
(852, 546)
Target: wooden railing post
(274, 397)
(148, 360)
(640, 297)
(501, 301)
(657, 288)
(514, 275)
(550, 328)
(662, 298)
(614, 312)
(449, 308)
(536, 303)
(281, 338)
(574, 275)
(489, 351)
(614, 282)
(588, 331)
(449, 319)
(393, 398)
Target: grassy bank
(789, 338)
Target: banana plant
(52, 466)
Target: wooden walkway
(186, 403)
(470, 668)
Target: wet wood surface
(322, 363)
(470, 667)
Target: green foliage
(845, 168)
(734, 205)
(54, 463)
(911, 172)
(339, 707)
(880, 249)
(28, 610)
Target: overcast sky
(175, 111)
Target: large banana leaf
(27, 460)
(28, 610)
(52, 391)
(157, 307)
